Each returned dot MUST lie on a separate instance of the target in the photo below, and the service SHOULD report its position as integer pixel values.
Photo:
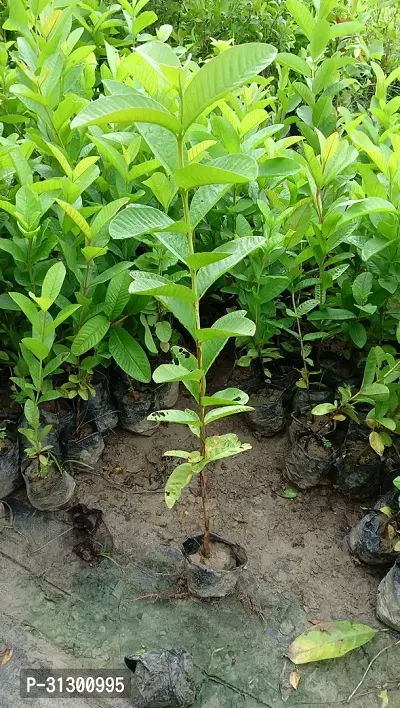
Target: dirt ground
(297, 551)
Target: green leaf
(198, 260)
(28, 308)
(363, 207)
(32, 415)
(319, 39)
(228, 396)
(342, 29)
(90, 334)
(152, 284)
(110, 272)
(175, 372)
(186, 417)
(331, 313)
(136, 220)
(324, 409)
(358, 334)
(362, 287)
(329, 640)
(376, 391)
(224, 73)
(243, 169)
(396, 482)
(15, 251)
(129, 355)
(224, 411)
(302, 16)
(117, 295)
(237, 249)
(178, 480)
(235, 325)
(126, 109)
(278, 167)
(106, 214)
(61, 317)
(294, 62)
(38, 348)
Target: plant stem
(199, 356)
(305, 369)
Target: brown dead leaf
(6, 657)
(315, 622)
(181, 516)
(294, 679)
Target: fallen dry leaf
(385, 698)
(294, 679)
(315, 622)
(6, 657)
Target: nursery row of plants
(154, 207)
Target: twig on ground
(35, 550)
(41, 577)
(390, 646)
(232, 687)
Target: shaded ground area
(58, 611)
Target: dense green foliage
(136, 181)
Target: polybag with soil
(135, 401)
(101, 408)
(374, 538)
(268, 415)
(50, 492)
(217, 575)
(359, 469)
(85, 445)
(162, 679)
(388, 600)
(247, 378)
(308, 462)
(10, 473)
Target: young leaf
(76, 217)
(129, 355)
(329, 640)
(90, 334)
